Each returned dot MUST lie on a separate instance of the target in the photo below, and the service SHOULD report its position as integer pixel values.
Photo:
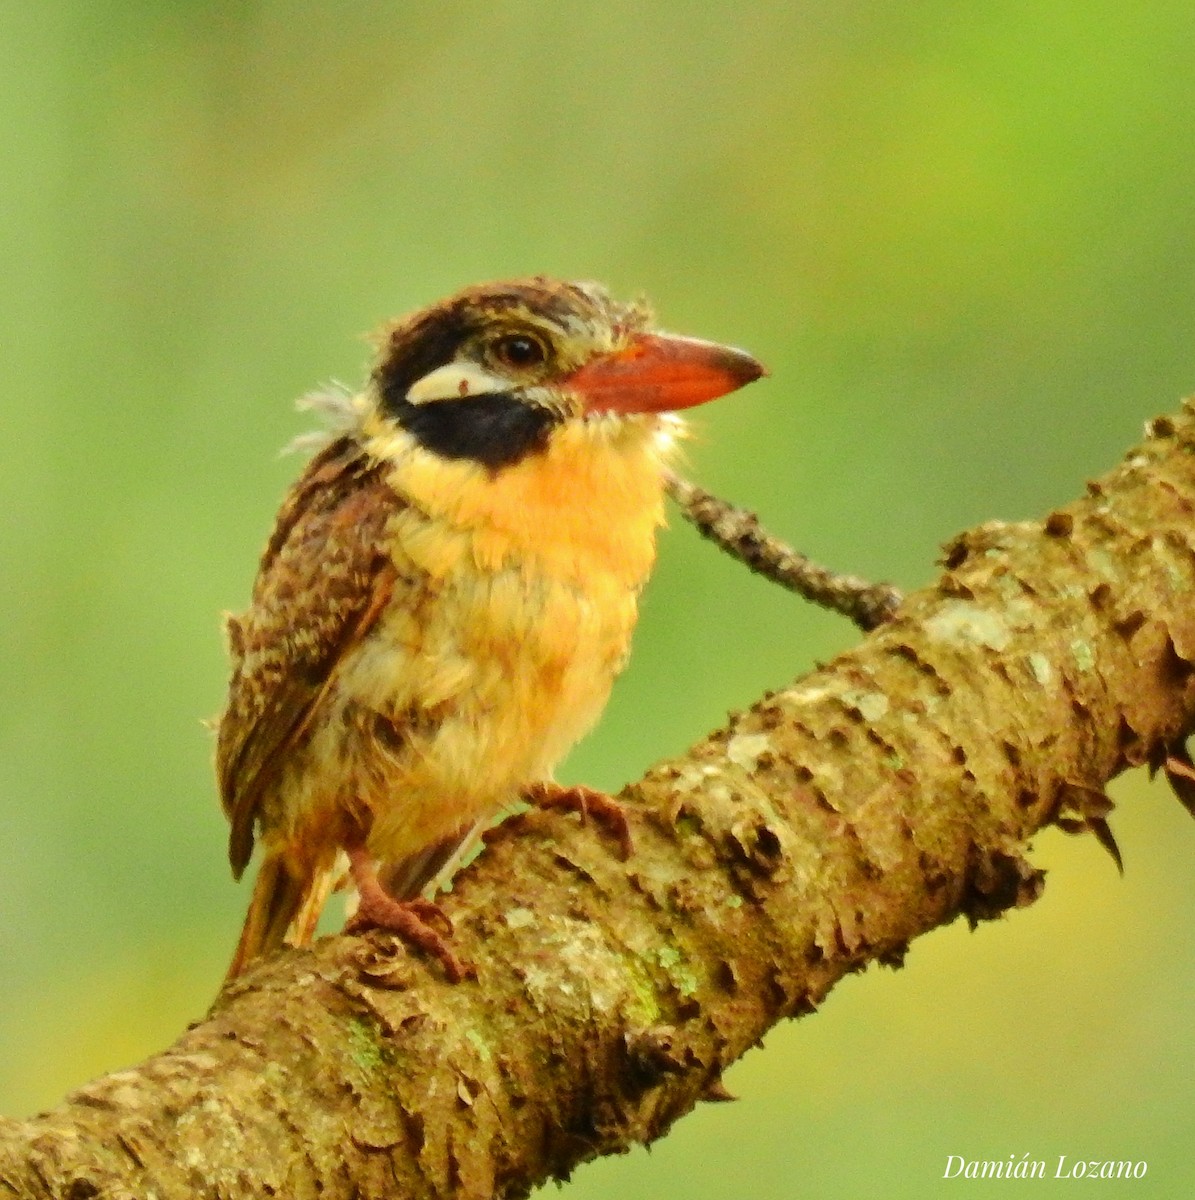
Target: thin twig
(739, 533)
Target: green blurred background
(962, 237)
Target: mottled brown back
(324, 578)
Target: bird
(447, 596)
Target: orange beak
(658, 372)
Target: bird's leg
(589, 803)
(410, 919)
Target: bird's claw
(411, 920)
(589, 802)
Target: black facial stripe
(431, 344)
(495, 430)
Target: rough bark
(886, 793)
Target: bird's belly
(457, 705)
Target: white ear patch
(454, 381)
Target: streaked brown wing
(324, 578)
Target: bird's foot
(413, 921)
(589, 803)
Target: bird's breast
(517, 599)
(481, 690)
(588, 506)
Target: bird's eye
(519, 350)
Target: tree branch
(884, 794)
(738, 532)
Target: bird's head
(491, 373)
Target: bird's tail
(285, 908)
